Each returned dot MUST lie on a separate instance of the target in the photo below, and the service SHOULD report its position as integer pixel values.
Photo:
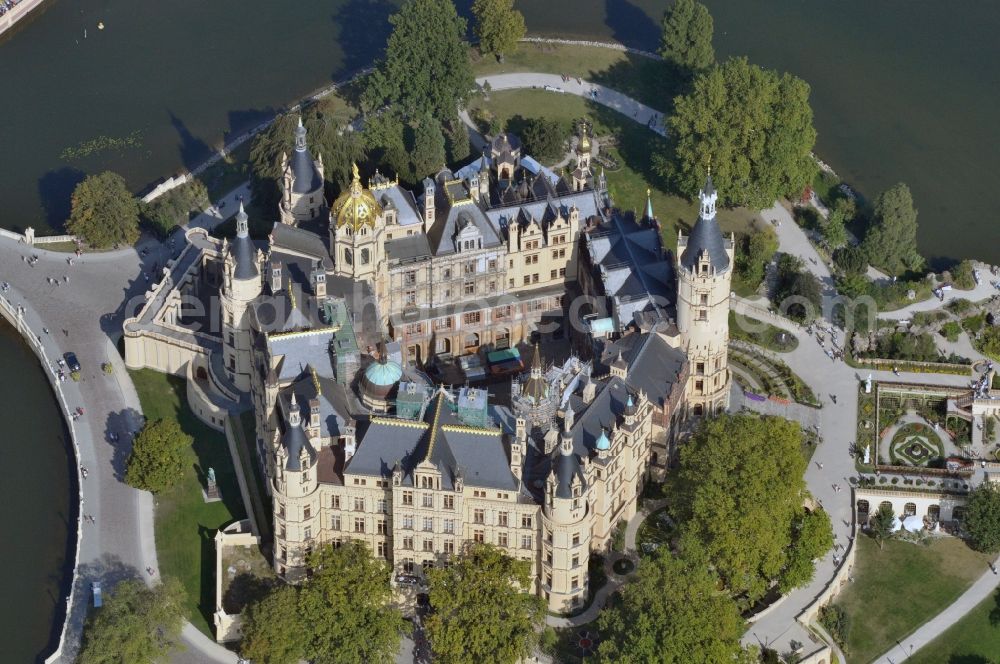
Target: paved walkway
(930, 630)
(85, 315)
(614, 100)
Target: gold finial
(649, 192)
(709, 165)
(354, 170)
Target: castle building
(326, 335)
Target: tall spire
(536, 364)
(649, 205)
(300, 137)
(242, 227)
(708, 197)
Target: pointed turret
(649, 206)
(706, 236)
(242, 249)
(306, 178)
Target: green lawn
(975, 639)
(644, 79)
(185, 523)
(901, 587)
(636, 145)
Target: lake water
(901, 91)
(35, 505)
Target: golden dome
(356, 206)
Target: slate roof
(306, 177)
(294, 438)
(243, 250)
(440, 438)
(706, 236)
(301, 350)
(409, 248)
(336, 404)
(441, 236)
(653, 365)
(566, 467)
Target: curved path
(609, 97)
(84, 315)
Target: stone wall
(22, 9)
(228, 627)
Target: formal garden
(655, 531)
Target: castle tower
(301, 183)
(356, 225)
(567, 521)
(295, 490)
(704, 274)
(241, 286)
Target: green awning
(504, 355)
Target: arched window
(909, 509)
(348, 231)
(958, 513)
(934, 512)
(884, 504)
(472, 340)
(348, 256)
(863, 507)
(364, 230)
(366, 256)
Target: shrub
(962, 275)
(835, 620)
(108, 369)
(75, 375)
(951, 330)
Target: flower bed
(915, 444)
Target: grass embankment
(636, 145)
(765, 335)
(975, 639)
(185, 523)
(898, 589)
(641, 78)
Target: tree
(427, 155)
(346, 605)
(426, 69)
(751, 264)
(173, 208)
(687, 36)
(273, 630)
(797, 291)
(881, 523)
(738, 492)
(753, 126)
(482, 609)
(156, 461)
(891, 240)
(104, 212)
(498, 26)
(812, 537)
(834, 231)
(672, 613)
(137, 624)
(851, 260)
(982, 517)
(544, 138)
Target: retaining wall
(22, 9)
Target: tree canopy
(498, 26)
(673, 613)
(481, 610)
(340, 614)
(273, 629)
(891, 240)
(758, 250)
(752, 125)
(426, 69)
(104, 212)
(687, 36)
(880, 523)
(738, 493)
(797, 291)
(544, 138)
(982, 517)
(137, 624)
(173, 208)
(812, 536)
(156, 461)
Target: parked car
(71, 361)
(95, 587)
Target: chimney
(314, 414)
(318, 279)
(275, 276)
